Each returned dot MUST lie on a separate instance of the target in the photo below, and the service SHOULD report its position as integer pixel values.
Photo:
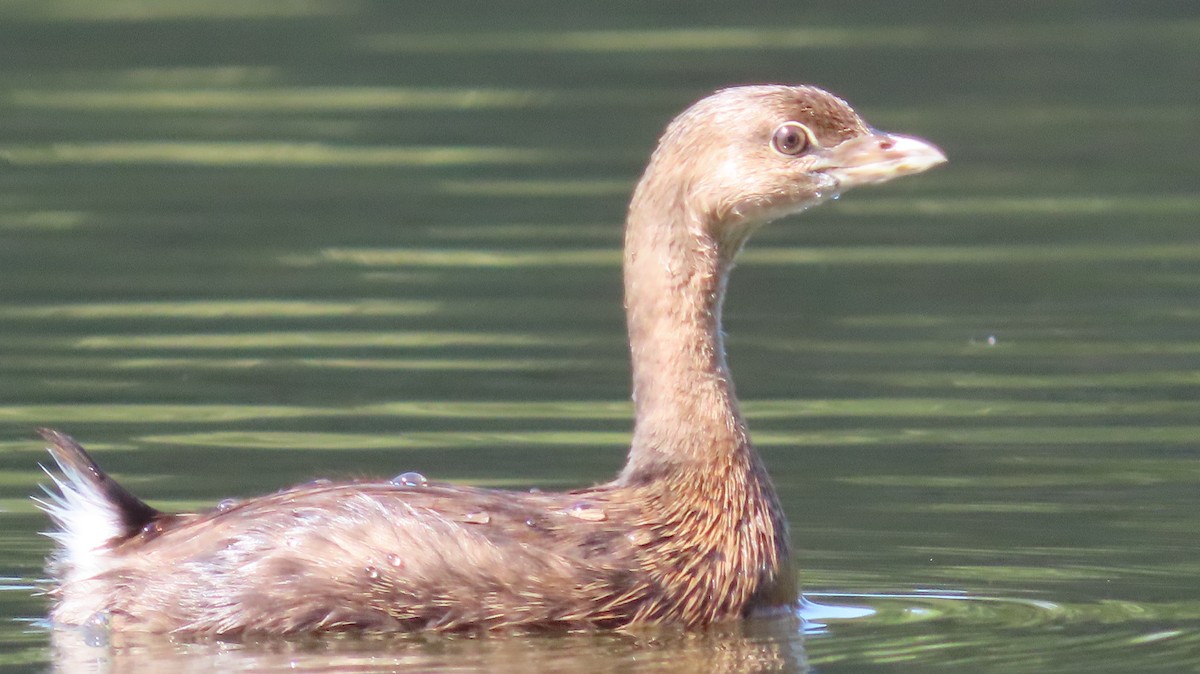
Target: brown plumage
(690, 532)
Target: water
(244, 245)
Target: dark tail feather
(82, 483)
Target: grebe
(689, 533)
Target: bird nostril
(887, 144)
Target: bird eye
(791, 138)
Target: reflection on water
(78, 11)
(993, 37)
(272, 154)
(245, 244)
(257, 310)
(829, 630)
(280, 99)
(757, 647)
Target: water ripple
(970, 632)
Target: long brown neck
(686, 412)
(691, 449)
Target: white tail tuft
(87, 522)
(92, 513)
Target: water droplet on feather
(410, 479)
(95, 629)
(477, 518)
(640, 537)
(587, 512)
